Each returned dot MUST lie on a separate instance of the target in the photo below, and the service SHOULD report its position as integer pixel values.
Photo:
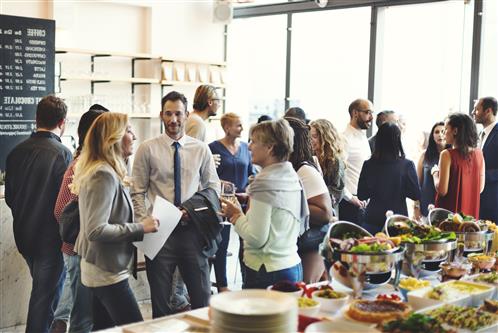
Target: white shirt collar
(170, 141)
(490, 127)
(354, 131)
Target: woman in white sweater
(277, 212)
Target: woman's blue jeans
(262, 279)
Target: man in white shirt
(206, 104)
(175, 166)
(358, 151)
(485, 113)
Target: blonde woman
(328, 146)
(106, 217)
(236, 167)
(277, 212)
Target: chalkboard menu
(27, 56)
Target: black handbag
(311, 238)
(69, 222)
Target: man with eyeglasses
(358, 151)
(206, 104)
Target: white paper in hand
(168, 216)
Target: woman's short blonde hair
(275, 133)
(102, 146)
(228, 118)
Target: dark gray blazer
(106, 222)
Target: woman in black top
(429, 158)
(387, 179)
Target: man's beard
(363, 124)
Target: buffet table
(198, 320)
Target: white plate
(418, 299)
(254, 302)
(338, 327)
(473, 277)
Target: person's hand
(242, 198)
(230, 210)
(417, 215)
(357, 202)
(185, 217)
(150, 224)
(217, 160)
(434, 169)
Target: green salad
(432, 235)
(374, 247)
(415, 323)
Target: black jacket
(202, 209)
(34, 172)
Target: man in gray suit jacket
(175, 166)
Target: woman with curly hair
(328, 146)
(318, 198)
(459, 179)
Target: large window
(256, 62)
(329, 62)
(488, 73)
(423, 64)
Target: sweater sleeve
(254, 227)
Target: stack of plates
(253, 311)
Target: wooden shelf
(194, 62)
(188, 83)
(63, 50)
(99, 53)
(136, 115)
(110, 79)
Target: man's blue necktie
(178, 176)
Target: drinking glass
(228, 193)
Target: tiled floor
(234, 280)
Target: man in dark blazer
(485, 114)
(35, 168)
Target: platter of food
(376, 311)
(464, 318)
(464, 293)
(359, 260)
(476, 235)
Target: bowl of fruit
(329, 299)
(288, 287)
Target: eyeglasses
(369, 112)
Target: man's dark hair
(355, 105)
(382, 116)
(489, 102)
(50, 111)
(174, 96)
(296, 112)
(302, 152)
(466, 137)
(388, 143)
